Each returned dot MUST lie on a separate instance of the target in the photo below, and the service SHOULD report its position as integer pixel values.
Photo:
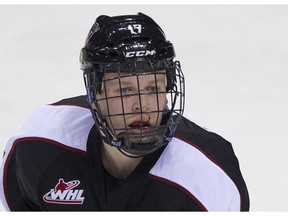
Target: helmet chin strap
(141, 144)
(124, 141)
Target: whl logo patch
(64, 193)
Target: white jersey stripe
(55, 123)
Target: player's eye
(152, 89)
(125, 91)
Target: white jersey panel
(68, 125)
(185, 165)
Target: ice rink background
(235, 59)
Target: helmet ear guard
(132, 45)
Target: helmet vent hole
(110, 44)
(163, 51)
(102, 53)
(113, 54)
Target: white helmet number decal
(135, 28)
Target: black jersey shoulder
(208, 142)
(80, 101)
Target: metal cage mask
(112, 90)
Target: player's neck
(116, 163)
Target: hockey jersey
(53, 164)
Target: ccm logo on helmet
(140, 53)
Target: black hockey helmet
(133, 45)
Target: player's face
(133, 104)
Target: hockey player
(135, 151)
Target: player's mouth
(142, 126)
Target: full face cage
(152, 127)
